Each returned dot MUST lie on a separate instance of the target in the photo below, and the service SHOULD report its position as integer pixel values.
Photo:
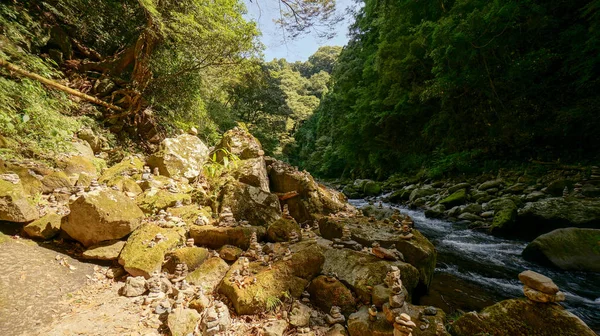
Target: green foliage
(446, 85)
(272, 303)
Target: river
(491, 265)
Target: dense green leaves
(467, 79)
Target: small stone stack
(335, 316)
(226, 218)
(595, 177)
(255, 250)
(540, 288)
(403, 325)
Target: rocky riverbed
(226, 241)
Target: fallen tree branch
(288, 195)
(13, 68)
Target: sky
(265, 11)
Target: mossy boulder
(459, 197)
(543, 216)
(125, 184)
(144, 253)
(361, 271)
(421, 192)
(282, 229)
(193, 257)
(189, 213)
(240, 143)
(215, 237)
(250, 203)
(45, 227)
(505, 217)
(77, 164)
(209, 274)
(521, 317)
(400, 196)
(285, 278)
(108, 250)
(182, 156)
(30, 179)
(490, 184)
(418, 251)
(127, 166)
(571, 249)
(102, 215)
(252, 172)
(14, 205)
(372, 188)
(153, 200)
(314, 200)
(325, 294)
(56, 180)
(183, 321)
(379, 213)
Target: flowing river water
(488, 266)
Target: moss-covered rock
(400, 196)
(45, 227)
(459, 197)
(183, 321)
(77, 164)
(568, 249)
(240, 143)
(250, 203)
(282, 229)
(189, 213)
(153, 200)
(325, 294)
(108, 250)
(230, 253)
(372, 188)
(421, 192)
(313, 201)
(543, 216)
(214, 237)
(125, 184)
(101, 215)
(30, 178)
(361, 271)
(193, 257)
(14, 205)
(285, 278)
(126, 167)
(209, 274)
(56, 180)
(182, 156)
(252, 172)
(521, 317)
(418, 251)
(144, 253)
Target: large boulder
(45, 227)
(361, 188)
(282, 229)
(312, 201)
(284, 278)
(239, 142)
(102, 215)
(193, 257)
(209, 274)
(250, 203)
(252, 172)
(458, 197)
(568, 249)
(521, 317)
(505, 216)
(215, 237)
(56, 180)
(146, 248)
(183, 321)
(153, 200)
(131, 166)
(361, 271)
(182, 156)
(107, 250)
(543, 216)
(14, 205)
(421, 192)
(325, 294)
(418, 251)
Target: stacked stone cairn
(335, 316)
(226, 218)
(540, 288)
(403, 325)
